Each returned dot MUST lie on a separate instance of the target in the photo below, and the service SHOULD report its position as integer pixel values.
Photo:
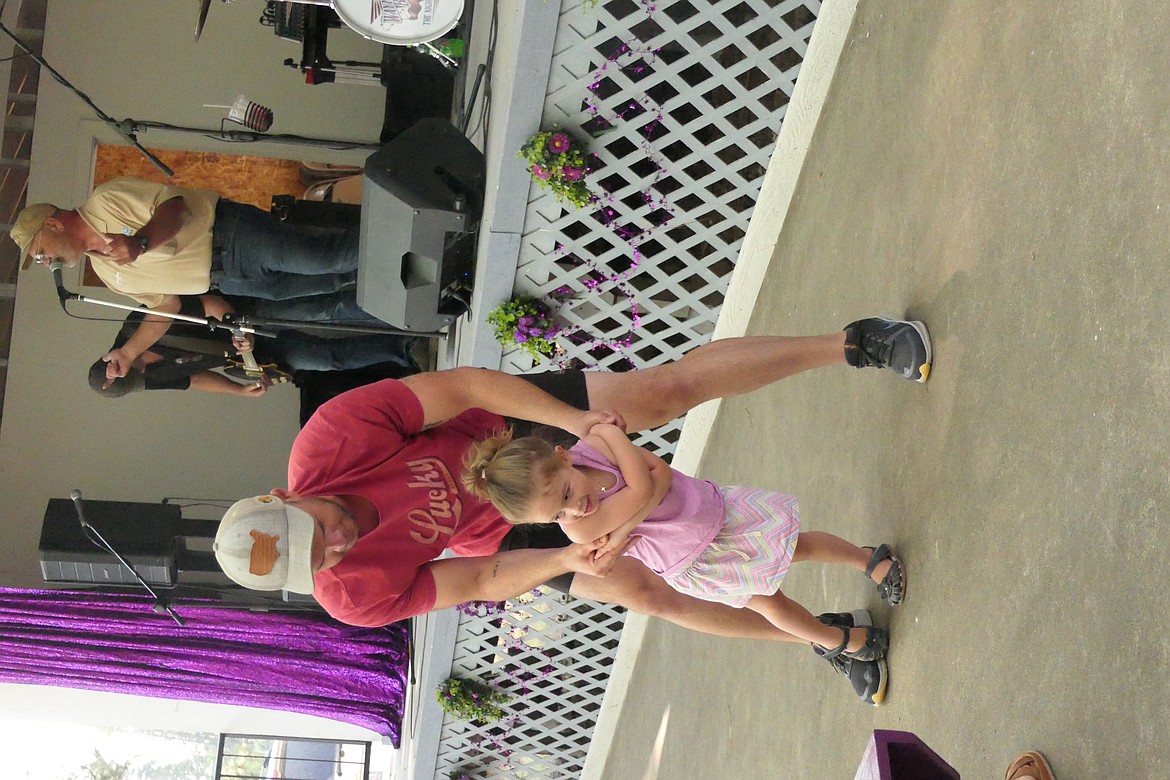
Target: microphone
(75, 495)
(62, 295)
(160, 604)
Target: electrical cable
(485, 112)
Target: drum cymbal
(204, 5)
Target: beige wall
(136, 58)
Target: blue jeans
(301, 352)
(315, 308)
(261, 257)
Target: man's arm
(508, 574)
(165, 223)
(212, 382)
(447, 394)
(149, 331)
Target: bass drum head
(399, 22)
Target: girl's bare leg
(791, 617)
(635, 587)
(820, 547)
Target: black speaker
(422, 195)
(143, 533)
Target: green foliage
(472, 700)
(556, 162)
(101, 768)
(526, 322)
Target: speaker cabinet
(143, 533)
(422, 195)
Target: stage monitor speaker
(422, 195)
(143, 533)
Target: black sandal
(877, 642)
(892, 587)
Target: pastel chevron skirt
(750, 554)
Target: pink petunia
(572, 174)
(540, 172)
(558, 142)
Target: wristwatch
(142, 240)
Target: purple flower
(572, 174)
(558, 142)
(525, 321)
(519, 337)
(540, 172)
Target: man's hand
(252, 389)
(590, 557)
(243, 342)
(586, 420)
(121, 249)
(119, 362)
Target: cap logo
(264, 555)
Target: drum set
(394, 22)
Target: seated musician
(192, 356)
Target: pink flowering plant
(472, 700)
(557, 162)
(526, 322)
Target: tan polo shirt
(182, 266)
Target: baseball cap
(266, 544)
(28, 223)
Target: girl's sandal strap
(877, 643)
(839, 649)
(892, 587)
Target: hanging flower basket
(556, 161)
(472, 700)
(526, 322)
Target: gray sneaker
(868, 678)
(903, 346)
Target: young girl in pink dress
(727, 544)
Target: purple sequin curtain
(297, 662)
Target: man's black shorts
(569, 387)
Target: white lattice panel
(552, 653)
(680, 103)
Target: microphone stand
(160, 604)
(129, 128)
(259, 326)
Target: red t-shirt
(369, 442)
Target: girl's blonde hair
(509, 472)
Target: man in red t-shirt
(374, 495)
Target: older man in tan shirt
(155, 242)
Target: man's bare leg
(635, 587)
(721, 369)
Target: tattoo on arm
(496, 568)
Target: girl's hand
(612, 541)
(589, 559)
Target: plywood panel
(241, 178)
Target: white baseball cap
(266, 544)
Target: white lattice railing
(552, 653)
(683, 101)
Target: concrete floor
(999, 171)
